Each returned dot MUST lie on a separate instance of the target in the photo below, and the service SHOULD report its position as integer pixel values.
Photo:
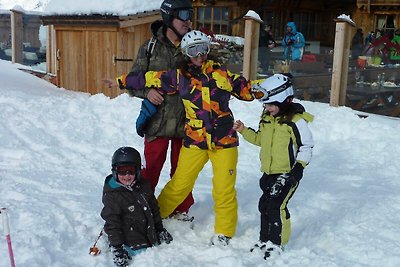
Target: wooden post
(250, 50)
(50, 50)
(340, 62)
(17, 33)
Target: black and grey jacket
(131, 214)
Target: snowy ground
(55, 151)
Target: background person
(357, 44)
(293, 43)
(266, 43)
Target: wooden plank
(17, 31)
(72, 60)
(100, 67)
(85, 28)
(340, 63)
(139, 21)
(250, 50)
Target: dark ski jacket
(132, 217)
(169, 119)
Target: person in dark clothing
(357, 44)
(131, 213)
(266, 43)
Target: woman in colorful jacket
(205, 88)
(293, 43)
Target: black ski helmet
(126, 156)
(169, 6)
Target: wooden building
(83, 50)
(313, 18)
(378, 15)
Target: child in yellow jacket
(286, 148)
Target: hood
(292, 25)
(111, 182)
(156, 26)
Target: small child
(131, 213)
(286, 147)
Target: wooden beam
(108, 28)
(17, 33)
(139, 21)
(340, 62)
(250, 50)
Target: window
(385, 24)
(214, 19)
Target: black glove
(290, 42)
(121, 257)
(164, 236)
(297, 172)
(289, 179)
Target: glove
(146, 112)
(289, 179)
(164, 236)
(297, 172)
(290, 42)
(121, 257)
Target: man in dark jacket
(131, 213)
(265, 44)
(166, 126)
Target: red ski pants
(155, 154)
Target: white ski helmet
(276, 88)
(195, 43)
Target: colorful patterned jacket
(205, 97)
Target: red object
(309, 58)
(6, 227)
(155, 153)
(361, 63)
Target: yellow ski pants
(191, 162)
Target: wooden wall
(81, 56)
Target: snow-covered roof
(105, 7)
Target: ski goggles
(196, 50)
(125, 170)
(183, 14)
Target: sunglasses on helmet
(125, 170)
(183, 14)
(196, 50)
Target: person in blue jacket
(293, 43)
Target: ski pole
(6, 228)
(93, 249)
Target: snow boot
(220, 240)
(267, 248)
